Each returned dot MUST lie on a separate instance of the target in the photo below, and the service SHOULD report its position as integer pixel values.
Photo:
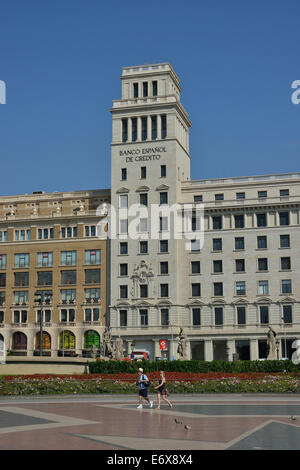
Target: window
(196, 289)
(144, 317)
(135, 90)
(217, 244)
(68, 295)
(21, 279)
(45, 259)
(163, 198)
(284, 193)
(67, 315)
(163, 126)
(134, 129)
(154, 127)
(3, 236)
(164, 267)
(262, 242)
(143, 172)
(286, 286)
(239, 243)
(145, 89)
(285, 241)
(69, 232)
(239, 221)
(123, 248)
(262, 264)
(287, 313)
(91, 314)
(144, 247)
(218, 288)
(163, 224)
(92, 295)
(195, 267)
(284, 218)
(144, 290)
(44, 278)
(240, 287)
(124, 226)
(263, 287)
(240, 265)
(264, 314)
(92, 257)
(262, 194)
(3, 280)
(261, 220)
(154, 88)
(164, 315)
(22, 235)
(123, 174)
(20, 316)
(124, 130)
(90, 230)
(217, 266)
(123, 292)
(241, 315)
(21, 297)
(92, 276)
(285, 263)
(219, 197)
(218, 315)
(144, 128)
(195, 245)
(123, 201)
(196, 312)
(2, 298)
(22, 260)
(144, 199)
(123, 317)
(1, 316)
(198, 198)
(2, 261)
(240, 196)
(46, 316)
(163, 246)
(163, 171)
(44, 294)
(164, 290)
(217, 222)
(68, 258)
(123, 269)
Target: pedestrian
(162, 390)
(143, 383)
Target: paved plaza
(198, 422)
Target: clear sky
(61, 61)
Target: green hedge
(115, 367)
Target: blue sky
(61, 61)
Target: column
(54, 341)
(139, 128)
(157, 351)
(253, 349)
(158, 126)
(129, 130)
(149, 128)
(208, 350)
(230, 349)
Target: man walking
(143, 390)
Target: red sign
(163, 344)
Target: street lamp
(40, 298)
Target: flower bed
(178, 382)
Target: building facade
(224, 294)
(224, 277)
(52, 263)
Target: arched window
(91, 337)
(67, 340)
(46, 340)
(19, 341)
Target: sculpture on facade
(108, 350)
(94, 352)
(271, 344)
(119, 348)
(181, 348)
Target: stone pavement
(102, 422)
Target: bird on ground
(177, 421)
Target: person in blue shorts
(143, 389)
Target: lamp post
(40, 298)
